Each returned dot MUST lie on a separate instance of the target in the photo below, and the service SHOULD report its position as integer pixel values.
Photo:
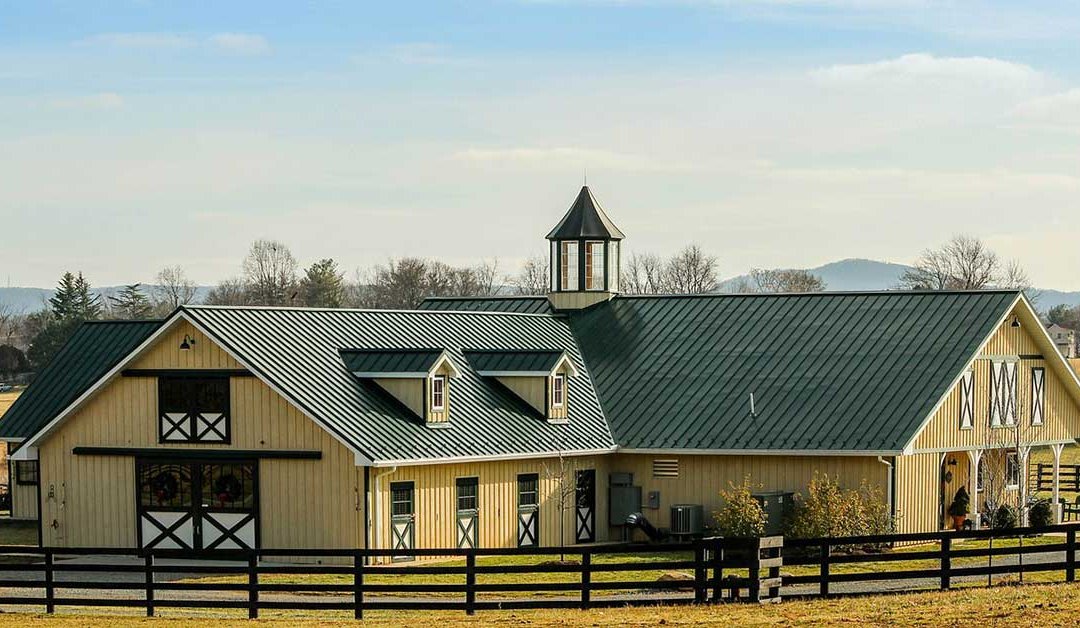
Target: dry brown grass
(1046, 605)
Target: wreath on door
(165, 486)
(228, 488)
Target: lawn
(1038, 605)
(15, 532)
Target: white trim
(444, 358)
(571, 369)
(24, 453)
(11, 439)
(523, 456)
(442, 379)
(393, 375)
(166, 326)
(909, 447)
(555, 401)
(988, 446)
(588, 262)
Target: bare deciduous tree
(643, 273)
(963, 263)
(781, 280)
(173, 288)
(690, 271)
(564, 475)
(270, 273)
(229, 292)
(404, 283)
(533, 278)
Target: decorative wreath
(165, 485)
(228, 488)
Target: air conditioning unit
(687, 520)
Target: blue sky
(773, 132)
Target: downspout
(890, 485)
(375, 519)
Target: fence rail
(1042, 477)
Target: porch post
(1057, 480)
(974, 456)
(1022, 454)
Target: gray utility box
(687, 520)
(777, 506)
(624, 499)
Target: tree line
(270, 275)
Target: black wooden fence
(1042, 477)
(51, 571)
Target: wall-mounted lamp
(952, 462)
(1015, 321)
(186, 343)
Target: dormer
(584, 262)
(539, 378)
(418, 378)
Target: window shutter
(967, 399)
(665, 468)
(1038, 395)
(997, 394)
(1010, 393)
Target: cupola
(584, 264)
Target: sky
(773, 133)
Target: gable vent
(665, 468)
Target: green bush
(740, 515)
(828, 510)
(961, 504)
(1005, 517)
(1041, 514)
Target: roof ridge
(282, 308)
(823, 293)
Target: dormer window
(558, 391)
(594, 265)
(568, 264)
(438, 393)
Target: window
(438, 393)
(193, 409)
(26, 472)
(613, 266)
(594, 265)
(528, 490)
(1038, 395)
(558, 391)
(401, 499)
(553, 266)
(467, 494)
(568, 266)
(665, 468)
(980, 475)
(1002, 393)
(967, 400)
(1012, 470)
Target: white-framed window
(967, 400)
(1012, 470)
(1002, 393)
(558, 391)
(980, 475)
(594, 265)
(553, 266)
(1038, 395)
(613, 266)
(568, 266)
(438, 393)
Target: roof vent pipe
(753, 406)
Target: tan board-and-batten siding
(302, 503)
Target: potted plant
(959, 508)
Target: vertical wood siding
(918, 492)
(530, 389)
(91, 499)
(1062, 416)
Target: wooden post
(149, 565)
(50, 590)
(946, 561)
(1070, 555)
(754, 591)
(826, 552)
(700, 590)
(253, 586)
(586, 579)
(718, 570)
(470, 582)
(358, 585)
(1057, 480)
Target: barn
(503, 422)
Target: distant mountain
(849, 274)
(29, 300)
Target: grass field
(1038, 605)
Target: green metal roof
(585, 219)
(94, 349)
(513, 361)
(828, 371)
(417, 361)
(520, 305)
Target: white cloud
(100, 101)
(922, 66)
(241, 43)
(142, 40)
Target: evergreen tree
(323, 285)
(88, 307)
(131, 303)
(12, 361)
(65, 301)
(71, 305)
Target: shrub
(741, 515)
(828, 510)
(961, 504)
(1005, 517)
(1041, 514)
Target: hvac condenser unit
(687, 520)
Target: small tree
(961, 504)
(131, 303)
(564, 476)
(323, 285)
(740, 516)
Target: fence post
(358, 584)
(718, 570)
(586, 579)
(148, 561)
(470, 582)
(700, 587)
(754, 587)
(253, 586)
(1070, 555)
(50, 590)
(946, 561)
(826, 552)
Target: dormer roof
(512, 363)
(585, 219)
(394, 363)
